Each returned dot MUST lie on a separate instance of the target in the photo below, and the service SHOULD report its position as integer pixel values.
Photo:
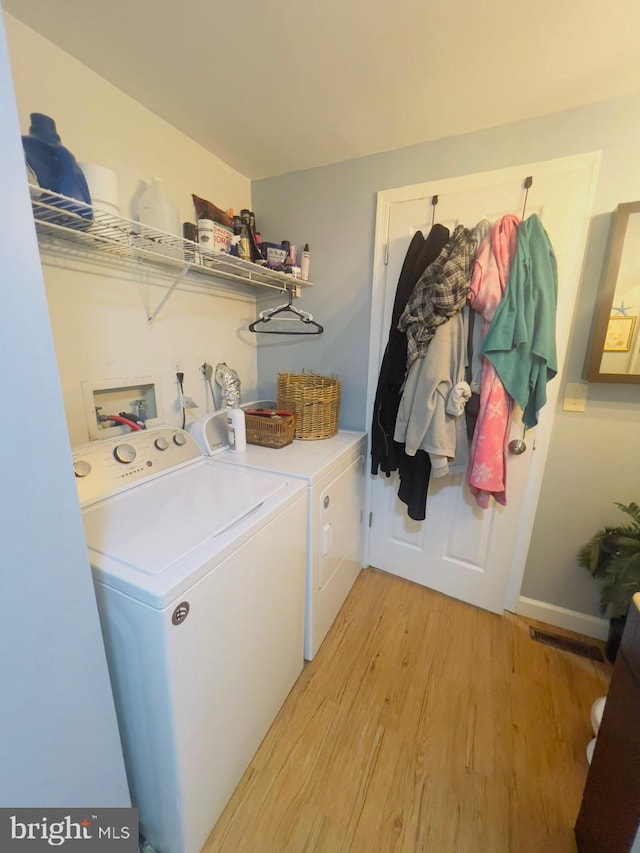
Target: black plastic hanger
(266, 317)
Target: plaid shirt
(440, 293)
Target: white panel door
(460, 549)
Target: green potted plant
(612, 555)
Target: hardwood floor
(423, 724)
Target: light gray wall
(59, 741)
(594, 457)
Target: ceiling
(273, 87)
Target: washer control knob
(81, 468)
(180, 439)
(125, 453)
(161, 443)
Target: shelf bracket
(151, 317)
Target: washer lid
(149, 529)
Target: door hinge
(370, 519)
(386, 254)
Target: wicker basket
(315, 401)
(269, 428)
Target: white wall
(594, 457)
(59, 742)
(98, 313)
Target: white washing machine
(333, 469)
(199, 575)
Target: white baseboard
(571, 620)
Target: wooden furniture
(609, 816)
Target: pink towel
(487, 470)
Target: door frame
(378, 334)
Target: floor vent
(585, 650)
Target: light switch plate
(575, 397)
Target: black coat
(384, 451)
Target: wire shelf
(58, 217)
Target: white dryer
(199, 576)
(334, 471)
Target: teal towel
(521, 341)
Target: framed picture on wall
(619, 334)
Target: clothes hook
(527, 183)
(434, 202)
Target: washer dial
(125, 453)
(81, 468)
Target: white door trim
(589, 163)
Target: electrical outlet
(575, 397)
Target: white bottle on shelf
(206, 234)
(305, 262)
(157, 210)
